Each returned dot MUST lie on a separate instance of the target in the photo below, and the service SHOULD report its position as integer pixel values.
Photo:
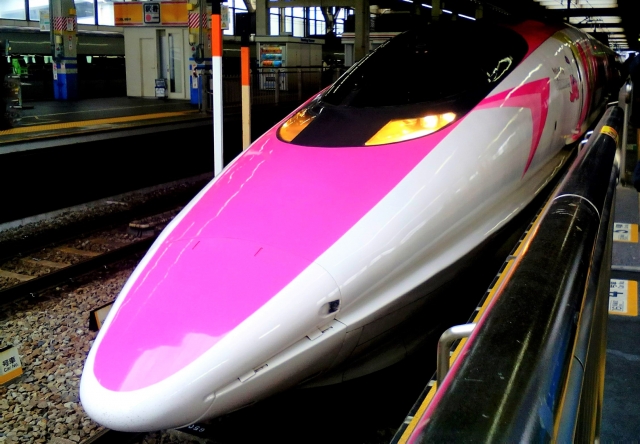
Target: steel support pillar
(361, 48)
(436, 10)
(262, 17)
(64, 29)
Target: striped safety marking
(475, 317)
(625, 232)
(60, 23)
(85, 123)
(623, 297)
(194, 20)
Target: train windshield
(411, 86)
(439, 62)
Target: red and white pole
(246, 97)
(216, 72)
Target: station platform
(621, 416)
(55, 119)
(64, 153)
(58, 123)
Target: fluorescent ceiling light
(607, 29)
(557, 6)
(578, 4)
(608, 20)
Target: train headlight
(294, 126)
(407, 129)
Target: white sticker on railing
(623, 297)
(625, 232)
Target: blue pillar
(65, 82)
(64, 29)
(194, 69)
(193, 81)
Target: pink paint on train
(535, 33)
(261, 224)
(534, 96)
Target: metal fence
(280, 85)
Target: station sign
(224, 16)
(171, 13)
(45, 22)
(151, 12)
(10, 365)
(97, 317)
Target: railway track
(27, 273)
(186, 435)
(107, 436)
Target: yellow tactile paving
(84, 123)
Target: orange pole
(244, 63)
(216, 73)
(246, 97)
(216, 36)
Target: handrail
(529, 363)
(445, 342)
(625, 100)
(326, 68)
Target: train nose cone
(195, 316)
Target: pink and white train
(330, 229)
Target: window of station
(234, 6)
(340, 19)
(36, 7)
(274, 21)
(297, 22)
(317, 26)
(294, 21)
(12, 9)
(303, 22)
(105, 13)
(85, 10)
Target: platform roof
(617, 19)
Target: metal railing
(280, 85)
(625, 101)
(532, 369)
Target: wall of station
(154, 53)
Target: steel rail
(107, 436)
(55, 277)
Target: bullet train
(336, 226)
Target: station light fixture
(608, 24)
